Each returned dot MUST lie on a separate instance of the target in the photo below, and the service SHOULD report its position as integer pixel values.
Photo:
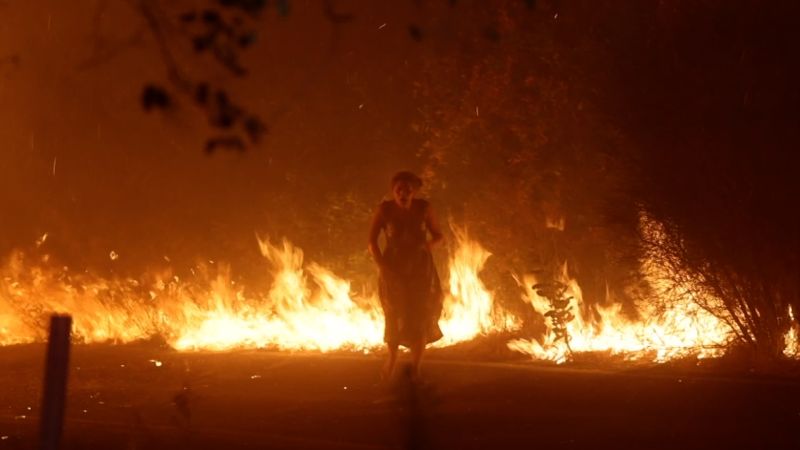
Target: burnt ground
(119, 398)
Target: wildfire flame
(293, 316)
(792, 349)
(680, 330)
(306, 308)
(468, 307)
(671, 326)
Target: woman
(410, 292)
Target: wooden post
(55, 382)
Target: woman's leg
(417, 350)
(391, 360)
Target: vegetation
(524, 117)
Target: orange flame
(680, 330)
(306, 307)
(792, 345)
(673, 326)
(469, 308)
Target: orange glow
(309, 308)
(673, 325)
(306, 308)
(792, 349)
(680, 330)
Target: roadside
(145, 396)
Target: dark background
(513, 111)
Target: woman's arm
(433, 227)
(374, 232)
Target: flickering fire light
(306, 308)
(309, 308)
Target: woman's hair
(406, 176)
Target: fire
(469, 308)
(680, 330)
(307, 307)
(102, 309)
(674, 325)
(792, 345)
(294, 315)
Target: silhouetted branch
(210, 31)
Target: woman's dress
(410, 291)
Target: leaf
(211, 17)
(202, 42)
(246, 39)
(155, 97)
(560, 304)
(254, 128)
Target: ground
(146, 396)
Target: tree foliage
(222, 30)
(715, 113)
(580, 116)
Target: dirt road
(146, 397)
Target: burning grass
(309, 308)
(306, 308)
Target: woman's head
(404, 185)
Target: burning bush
(728, 280)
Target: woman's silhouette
(410, 291)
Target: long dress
(410, 291)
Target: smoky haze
(545, 127)
(83, 162)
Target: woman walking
(410, 291)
